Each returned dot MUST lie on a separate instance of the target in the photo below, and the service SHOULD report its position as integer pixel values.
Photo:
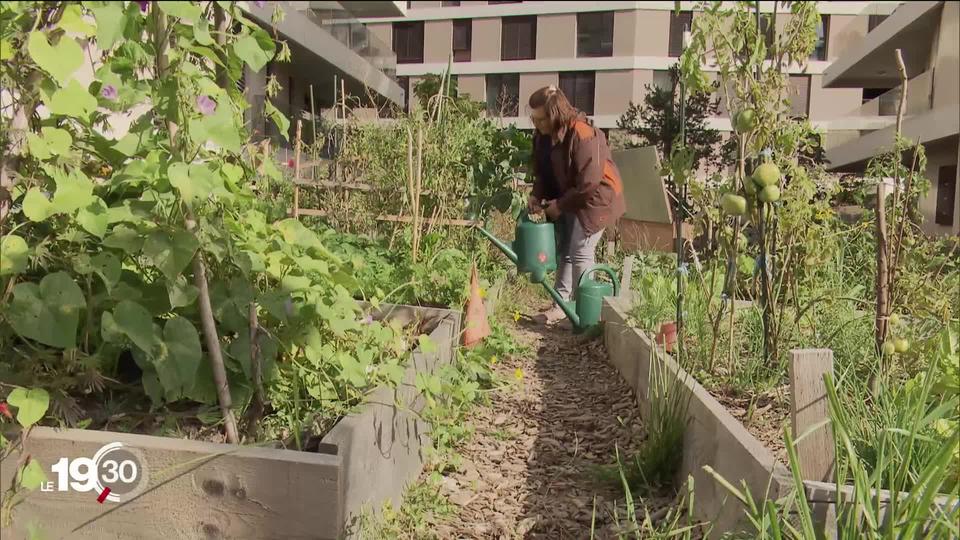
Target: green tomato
(770, 194)
(745, 120)
(734, 205)
(888, 348)
(767, 174)
(901, 345)
(894, 319)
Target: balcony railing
(918, 99)
(357, 37)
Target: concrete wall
(831, 103)
(625, 32)
(614, 90)
(653, 33)
(383, 32)
(713, 436)
(475, 85)
(486, 39)
(845, 32)
(437, 41)
(557, 36)
(946, 89)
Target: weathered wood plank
(809, 410)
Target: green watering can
(534, 251)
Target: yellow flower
(518, 374)
(516, 316)
(493, 360)
(483, 292)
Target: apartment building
(602, 54)
(928, 35)
(331, 53)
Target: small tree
(656, 122)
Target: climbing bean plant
(147, 248)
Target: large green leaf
(73, 100)
(50, 142)
(74, 191)
(36, 206)
(110, 23)
(218, 128)
(135, 322)
(170, 253)
(107, 267)
(31, 477)
(72, 21)
(249, 49)
(125, 238)
(180, 356)
(185, 11)
(31, 404)
(94, 218)
(194, 182)
(59, 60)
(182, 293)
(279, 119)
(48, 313)
(13, 255)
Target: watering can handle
(605, 269)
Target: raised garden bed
(206, 490)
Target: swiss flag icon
(542, 257)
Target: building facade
(928, 36)
(602, 54)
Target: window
(874, 21)
(462, 39)
(579, 88)
(449, 4)
(518, 38)
(595, 34)
(408, 42)
(662, 79)
(679, 22)
(503, 94)
(823, 34)
(869, 94)
(799, 95)
(946, 195)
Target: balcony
(328, 43)
(919, 99)
(911, 27)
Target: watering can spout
(507, 250)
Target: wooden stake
(809, 410)
(416, 204)
(296, 173)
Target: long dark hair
(557, 107)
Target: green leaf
(110, 24)
(351, 370)
(94, 218)
(74, 191)
(135, 322)
(249, 49)
(181, 293)
(36, 206)
(13, 255)
(31, 404)
(185, 11)
(73, 100)
(57, 140)
(31, 476)
(60, 60)
(109, 330)
(218, 128)
(195, 182)
(427, 346)
(279, 119)
(125, 238)
(170, 253)
(131, 144)
(201, 33)
(48, 313)
(107, 267)
(180, 357)
(72, 21)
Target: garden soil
(531, 468)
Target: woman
(576, 184)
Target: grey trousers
(581, 254)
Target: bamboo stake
(313, 116)
(259, 403)
(296, 173)
(416, 204)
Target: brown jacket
(588, 180)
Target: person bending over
(576, 184)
